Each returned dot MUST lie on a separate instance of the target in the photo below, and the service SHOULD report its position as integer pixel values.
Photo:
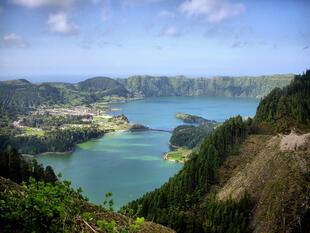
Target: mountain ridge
(22, 93)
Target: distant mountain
(15, 82)
(103, 84)
(21, 93)
(99, 84)
(218, 86)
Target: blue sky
(120, 38)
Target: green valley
(242, 175)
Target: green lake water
(130, 164)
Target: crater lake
(130, 164)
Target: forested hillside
(179, 203)
(21, 93)
(52, 141)
(188, 201)
(217, 86)
(191, 136)
(287, 108)
(16, 168)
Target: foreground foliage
(43, 207)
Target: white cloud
(212, 10)
(43, 3)
(59, 23)
(170, 31)
(166, 14)
(138, 2)
(12, 36)
(13, 41)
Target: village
(87, 117)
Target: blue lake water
(158, 112)
(130, 164)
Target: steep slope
(278, 180)
(21, 93)
(286, 108)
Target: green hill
(15, 82)
(103, 84)
(21, 93)
(190, 136)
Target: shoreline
(47, 153)
(110, 132)
(165, 157)
(71, 151)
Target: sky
(120, 38)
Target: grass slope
(277, 179)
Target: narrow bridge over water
(162, 130)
